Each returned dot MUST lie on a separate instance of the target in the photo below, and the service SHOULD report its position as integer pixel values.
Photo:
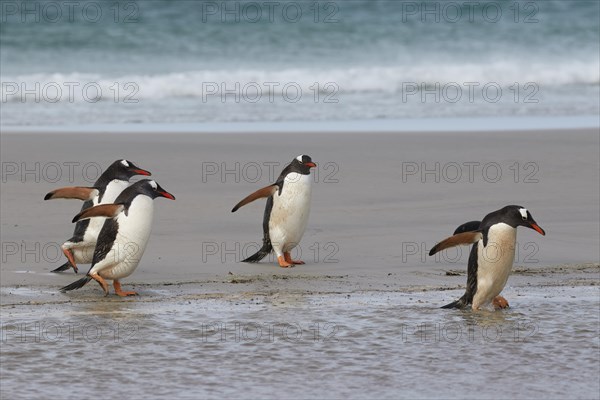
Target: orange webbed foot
(288, 259)
(69, 254)
(125, 294)
(283, 263)
(120, 292)
(101, 282)
(500, 302)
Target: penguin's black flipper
(102, 210)
(456, 240)
(77, 284)
(259, 194)
(470, 226)
(73, 192)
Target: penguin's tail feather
(77, 284)
(264, 251)
(63, 267)
(460, 304)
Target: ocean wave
(250, 83)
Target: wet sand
(380, 201)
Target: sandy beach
(380, 201)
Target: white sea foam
(249, 82)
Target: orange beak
(167, 195)
(142, 172)
(537, 228)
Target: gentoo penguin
(80, 247)
(492, 255)
(286, 213)
(122, 240)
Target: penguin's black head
(152, 189)
(124, 170)
(520, 216)
(303, 164)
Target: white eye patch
(125, 163)
(299, 158)
(153, 184)
(523, 212)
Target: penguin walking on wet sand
(492, 254)
(286, 212)
(124, 235)
(80, 247)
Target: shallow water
(371, 344)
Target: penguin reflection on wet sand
(124, 235)
(79, 249)
(492, 255)
(286, 212)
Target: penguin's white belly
(290, 212)
(83, 252)
(92, 231)
(130, 242)
(495, 262)
(113, 189)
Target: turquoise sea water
(98, 62)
